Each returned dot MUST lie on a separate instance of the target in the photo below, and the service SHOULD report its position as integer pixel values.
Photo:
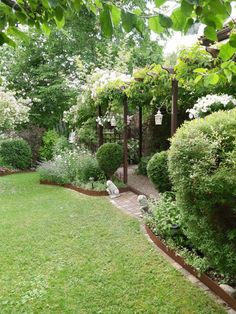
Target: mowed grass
(63, 252)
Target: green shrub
(203, 170)
(157, 170)
(109, 158)
(142, 166)
(49, 140)
(16, 153)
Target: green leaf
(165, 21)
(115, 15)
(128, 21)
(211, 79)
(158, 3)
(154, 25)
(77, 5)
(4, 39)
(232, 40)
(186, 7)
(14, 31)
(232, 67)
(60, 23)
(59, 13)
(140, 25)
(46, 29)
(226, 51)
(198, 79)
(200, 70)
(178, 19)
(228, 74)
(105, 21)
(210, 33)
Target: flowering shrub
(211, 103)
(71, 166)
(13, 111)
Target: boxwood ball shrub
(16, 153)
(157, 170)
(109, 158)
(202, 165)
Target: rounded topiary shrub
(109, 158)
(16, 153)
(202, 165)
(157, 170)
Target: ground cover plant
(63, 252)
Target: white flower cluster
(13, 111)
(208, 104)
(101, 77)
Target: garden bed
(212, 285)
(82, 190)
(6, 171)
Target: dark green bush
(49, 140)
(16, 153)
(203, 170)
(157, 170)
(109, 158)
(142, 166)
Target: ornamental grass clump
(202, 165)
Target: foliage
(157, 170)
(55, 231)
(71, 166)
(87, 134)
(16, 153)
(211, 103)
(109, 158)
(142, 166)
(202, 168)
(165, 215)
(49, 140)
(12, 111)
(183, 18)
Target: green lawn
(63, 252)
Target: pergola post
(100, 128)
(140, 132)
(125, 141)
(174, 106)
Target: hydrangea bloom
(12, 111)
(211, 103)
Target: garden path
(139, 182)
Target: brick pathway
(127, 202)
(139, 182)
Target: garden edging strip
(81, 190)
(212, 285)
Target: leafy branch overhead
(44, 14)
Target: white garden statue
(143, 203)
(112, 189)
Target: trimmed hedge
(202, 165)
(157, 170)
(16, 153)
(109, 156)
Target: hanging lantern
(158, 118)
(113, 121)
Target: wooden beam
(140, 132)
(174, 106)
(125, 141)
